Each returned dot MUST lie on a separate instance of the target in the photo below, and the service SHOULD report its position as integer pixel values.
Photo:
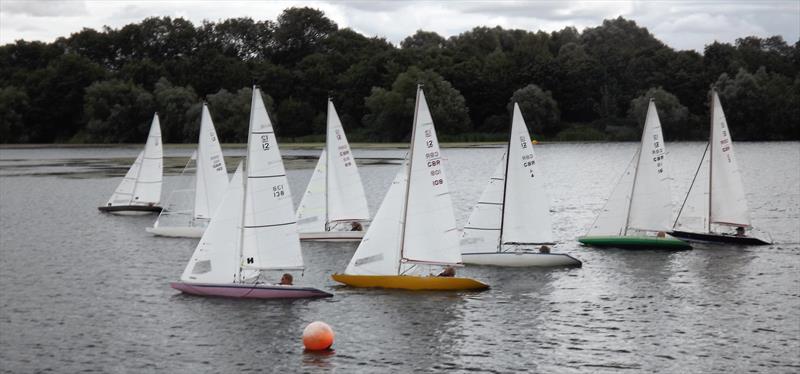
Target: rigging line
(272, 225)
(265, 176)
(616, 185)
(675, 224)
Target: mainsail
(269, 233)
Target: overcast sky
(679, 24)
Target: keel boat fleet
(249, 233)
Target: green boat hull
(635, 242)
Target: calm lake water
(84, 291)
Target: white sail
(178, 207)
(651, 202)
(142, 183)
(482, 231)
(216, 257)
(612, 218)
(311, 215)
(379, 251)
(430, 234)
(526, 207)
(147, 190)
(693, 216)
(346, 200)
(269, 235)
(212, 176)
(123, 195)
(728, 202)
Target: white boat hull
(177, 231)
(520, 259)
(333, 236)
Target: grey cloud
(41, 8)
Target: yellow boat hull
(408, 282)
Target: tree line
(103, 86)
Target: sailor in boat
(740, 232)
(286, 280)
(448, 271)
(355, 226)
(544, 249)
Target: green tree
(13, 105)
(391, 112)
(118, 112)
(173, 103)
(298, 33)
(674, 116)
(539, 109)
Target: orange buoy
(317, 336)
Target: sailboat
(189, 209)
(254, 230)
(414, 227)
(716, 197)
(334, 206)
(639, 211)
(513, 215)
(139, 192)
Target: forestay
(651, 201)
(482, 231)
(526, 209)
(311, 212)
(269, 235)
(693, 215)
(212, 176)
(611, 219)
(178, 207)
(216, 257)
(728, 202)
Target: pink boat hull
(249, 291)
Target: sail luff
(505, 183)
(408, 179)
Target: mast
(505, 185)
(327, 162)
(408, 178)
(636, 174)
(246, 175)
(141, 163)
(710, 156)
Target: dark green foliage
(391, 112)
(104, 85)
(120, 112)
(673, 116)
(539, 108)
